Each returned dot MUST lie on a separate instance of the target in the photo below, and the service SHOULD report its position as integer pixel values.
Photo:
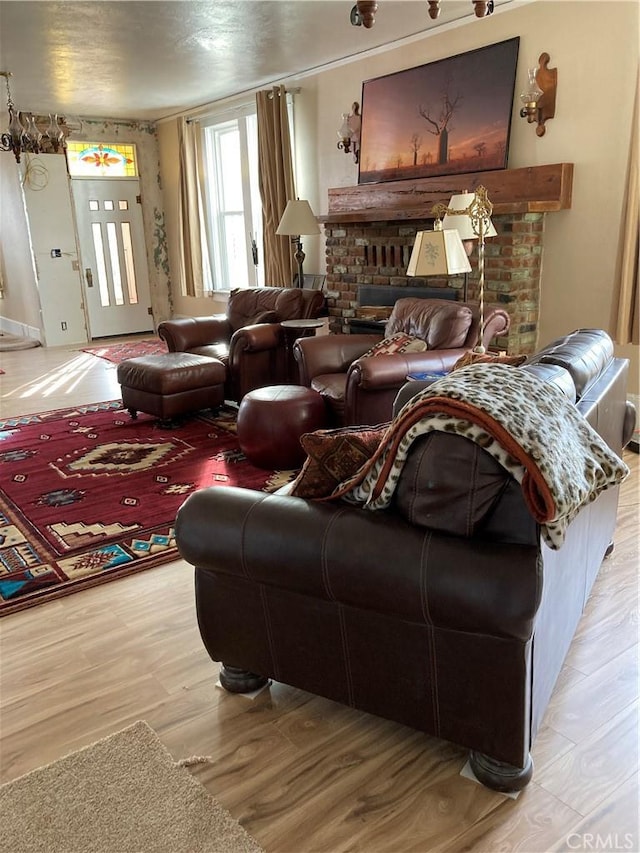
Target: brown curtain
(626, 321)
(275, 178)
(194, 256)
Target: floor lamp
(476, 216)
(298, 220)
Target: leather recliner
(248, 339)
(360, 390)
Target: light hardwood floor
(302, 773)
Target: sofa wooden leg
(237, 680)
(498, 775)
(133, 413)
(609, 550)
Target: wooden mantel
(535, 189)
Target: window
(232, 201)
(97, 160)
(232, 197)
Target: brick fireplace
(370, 230)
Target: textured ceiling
(148, 60)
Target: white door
(47, 200)
(114, 262)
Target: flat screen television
(447, 117)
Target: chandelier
(363, 13)
(23, 133)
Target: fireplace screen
(448, 117)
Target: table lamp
(297, 220)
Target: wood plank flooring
(301, 773)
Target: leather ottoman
(271, 421)
(171, 384)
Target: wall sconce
(349, 133)
(539, 99)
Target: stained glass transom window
(96, 160)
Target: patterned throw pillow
(489, 357)
(333, 455)
(400, 342)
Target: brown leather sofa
(456, 622)
(248, 339)
(361, 390)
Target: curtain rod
(207, 111)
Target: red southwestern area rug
(130, 349)
(88, 495)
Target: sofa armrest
(329, 353)
(390, 371)
(496, 322)
(374, 381)
(366, 560)
(256, 338)
(188, 332)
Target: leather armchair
(248, 339)
(361, 389)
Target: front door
(114, 262)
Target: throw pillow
(333, 455)
(488, 357)
(398, 343)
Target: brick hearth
(370, 231)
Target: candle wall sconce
(539, 99)
(349, 132)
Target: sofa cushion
(583, 353)
(332, 387)
(455, 498)
(400, 342)
(263, 304)
(441, 323)
(332, 456)
(219, 351)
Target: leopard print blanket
(529, 426)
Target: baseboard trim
(20, 330)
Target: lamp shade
(298, 219)
(438, 253)
(462, 222)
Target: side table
(293, 329)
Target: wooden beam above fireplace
(535, 189)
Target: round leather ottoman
(271, 421)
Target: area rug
(123, 794)
(88, 494)
(116, 353)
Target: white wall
(19, 307)
(595, 49)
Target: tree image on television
(448, 117)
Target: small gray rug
(11, 342)
(119, 795)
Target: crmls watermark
(596, 841)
